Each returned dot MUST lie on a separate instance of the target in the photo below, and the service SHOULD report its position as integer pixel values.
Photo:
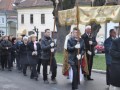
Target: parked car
(99, 48)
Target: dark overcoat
(115, 64)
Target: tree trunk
(62, 31)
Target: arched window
(2, 33)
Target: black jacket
(115, 65)
(45, 46)
(31, 48)
(87, 45)
(5, 44)
(26, 53)
(74, 52)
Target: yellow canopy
(22, 31)
(87, 14)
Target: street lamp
(36, 30)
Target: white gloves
(89, 52)
(90, 42)
(77, 46)
(52, 50)
(52, 44)
(34, 53)
(7, 48)
(79, 56)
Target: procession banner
(99, 15)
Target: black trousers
(108, 74)
(75, 80)
(39, 65)
(19, 65)
(33, 71)
(45, 63)
(25, 68)
(12, 58)
(90, 64)
(6, 61)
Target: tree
(62, 31)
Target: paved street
(16, 81)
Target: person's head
(25, 39)
(112, 33)
(10, 37)
(47, 32)
(33, 38)
(75, 32)
(19, 38)
(14, 40)
(88, 29)
(6, 38)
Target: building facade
(8, 18)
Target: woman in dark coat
(34, 52)
(115, 65)
(23, 51)
(13, 51)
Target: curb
(93, 70)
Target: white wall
(49, 21)
(111, 25)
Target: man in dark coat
(6, 53)
(90, 43)
(107, 45)
(48, 57)
(115, 64)
(74, 44)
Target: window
(2, 20)
(42, 18)
(22, 19)
(31, 18)
(2, 33)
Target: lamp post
(36, 30)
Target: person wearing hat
(34, 53)
(6, 53)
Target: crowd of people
(27, 52)
(30, 53)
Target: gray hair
(88, 27)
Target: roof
(6, 4)
(33, 3)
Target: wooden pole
(51, 56)
(77, 17)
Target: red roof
(6, 4)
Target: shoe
(90, 79)
(2, 69)
(46, 82)
(25, 74)
(9, 69)
(36, 78)
(54, 81)
(74, 88)
(31, 77)
(38, 72)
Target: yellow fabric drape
(99, 14)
